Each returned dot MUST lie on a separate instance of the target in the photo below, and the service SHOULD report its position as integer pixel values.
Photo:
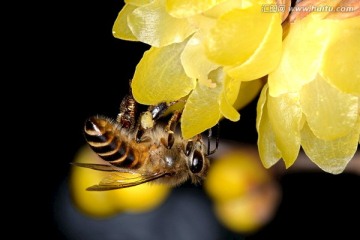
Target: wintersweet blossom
(312, 99)
(201, 51)
(211, 52)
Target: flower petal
(151, 24)
(269, 153)
(159, 76)
(232, 89)
(345, 73)
(227, 110)
(330, 113)
(201, 110)
(248, 91)
(302, 55)
(226, 6)
(331, 156)
(187, 8)
(285, 117)
(120, 28)
(237, 34)
(228, 97)
(194, 53)
(138, 2)
(265, 58)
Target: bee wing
(116, 181)
(102, 167)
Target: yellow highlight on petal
(151, 24)
(159, 76)
(238, 33)
(265, 58)
(330, 113)
(187, 8)
(227, 6)
(194, 60)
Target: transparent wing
(100, 167)
(116, 181)
(103, 167)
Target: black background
(83, 70)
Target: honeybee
(151, 151)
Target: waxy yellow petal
(268, 151)
(330, 113)
(228, 97)
(228, 110)
(121, 29)
(187, 8)
(238, 34)
(303, 50)
(285, 117)
(265, 58)
(341, 62)
(248, 91)
(227, 6)
(159, 76)
(194, 60)
(232, 89)
(331, 156)
(138, 2)
(151, 24)
(201, 110)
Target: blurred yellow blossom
(102, 204)
(200, 50)
(312, 99)
(244, 193)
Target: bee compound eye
(197, 162)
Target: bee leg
(170, 128)
(157, 111)
(148, 118)
(209, 152)
(126, 116)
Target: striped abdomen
(103, 136)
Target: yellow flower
(312, 99)
(103, 204)
(202, 51)
(245, 196)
